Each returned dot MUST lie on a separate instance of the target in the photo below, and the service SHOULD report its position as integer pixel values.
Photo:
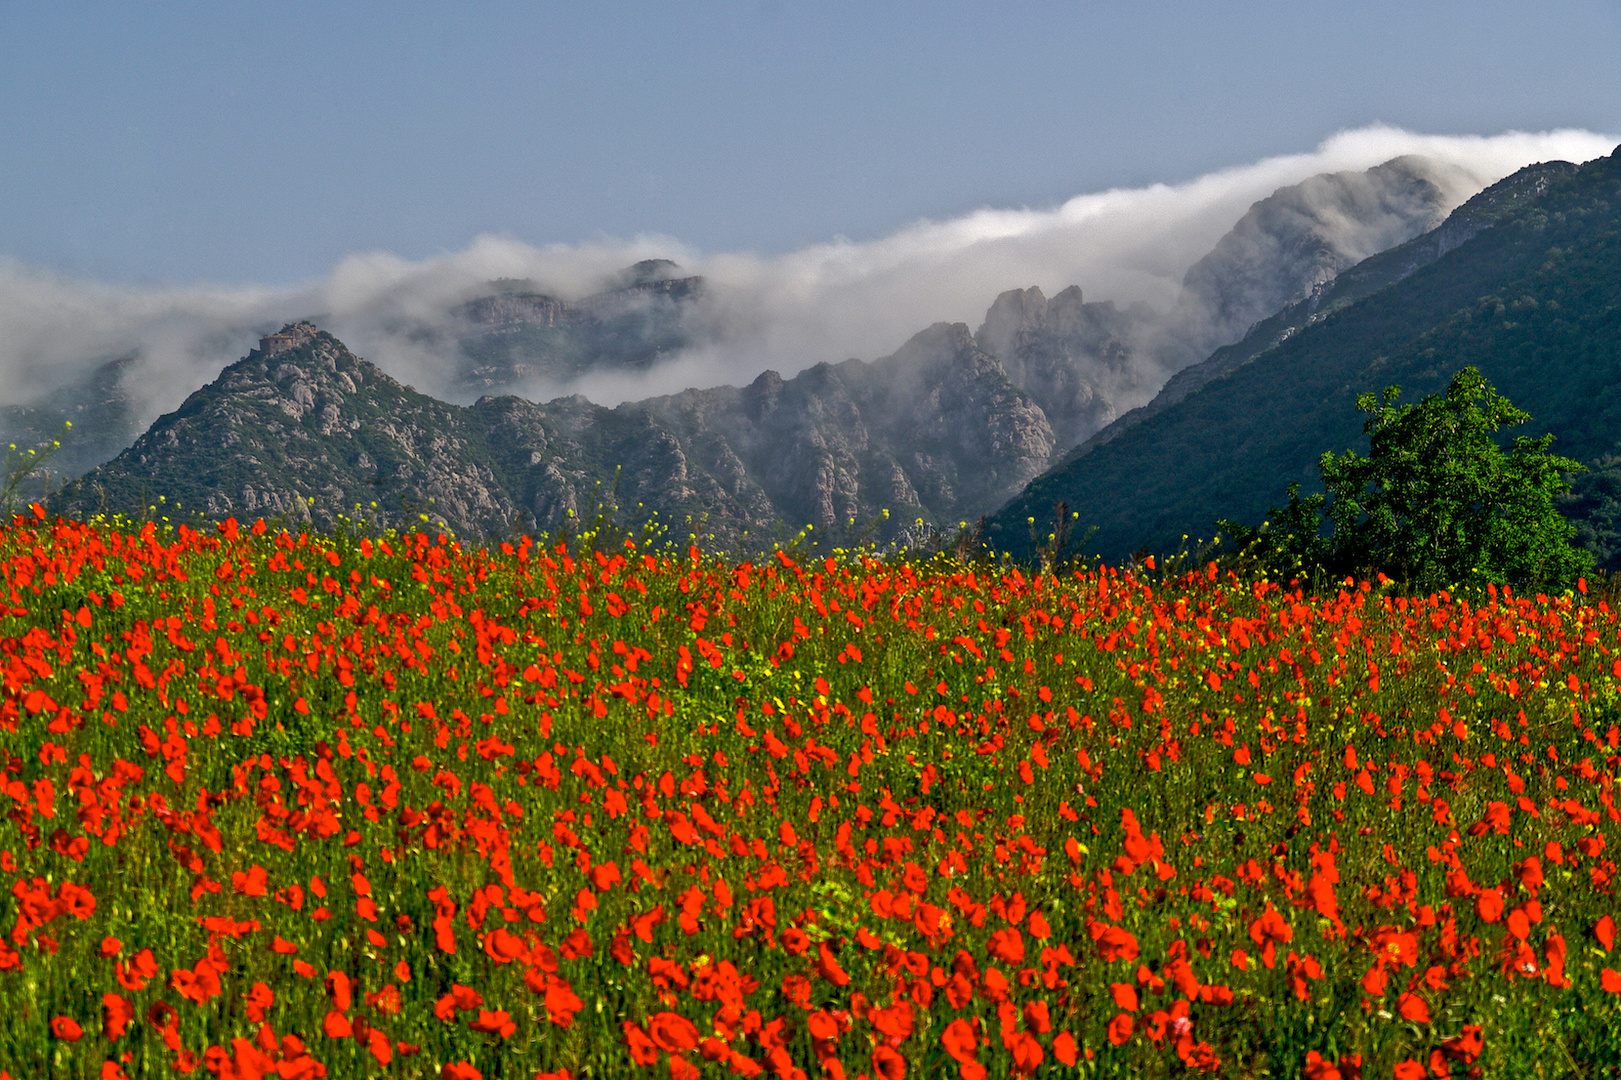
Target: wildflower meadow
(287, 805)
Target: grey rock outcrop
(1086, 364)
(1298, 239)
(314, 434)
(516, 338)
(1074, 359)
(1347, 287)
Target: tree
(1437, 501)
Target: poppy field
(283, 805)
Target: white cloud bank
(827, 301)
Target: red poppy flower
(621, 949)
(672, 1032)
(1125, 996)
(66, 1029)
(1064, 1048)
(828, 966)
(887, 1064)
(1319, 1068)
(642, 1050)
(1007, 945)
(380, 1046)
(822, 1026)
(503, 946)
(561, 1001)
(1027, 1053)
(337, 1026)
(1115, 943)
(1120, 1029)
(494, 1023)
(958, 1040)
(1414, 1008)
(1270, 931)
(577, 944)
(337, 984)
(116, 1015)
(141, 968)
(1466, 1046)
(257, 1001)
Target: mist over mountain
(303, 430)
(421, 323)
(944, 430)
(1087, 363)
(518, 340)
(1299, 238)
(1367, 277)
(1523, 282)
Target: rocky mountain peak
(1296, 240)
(288, 337)
(1012, 313)
(517, 339)
(648, 271)
(762, 396)
(1028, 312)
(1073, 358)
(940, 345)
(316, 373)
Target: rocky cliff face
(1347, 287)
(936, 431)
(1085, 364)
(1074, 359)
(305, 435)
(315, 434)
(948, 428)
(1298, 239)
(517, 339)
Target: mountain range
(1523, 282)
(304, 430)
(952, 426)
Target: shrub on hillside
(1436, 501)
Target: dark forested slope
(1533, 299)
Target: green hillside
(1533, 301)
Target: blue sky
(258, 143)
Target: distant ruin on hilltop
(287, 338)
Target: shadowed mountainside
(1523, 283)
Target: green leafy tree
(1437, 501)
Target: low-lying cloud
(828, 301)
